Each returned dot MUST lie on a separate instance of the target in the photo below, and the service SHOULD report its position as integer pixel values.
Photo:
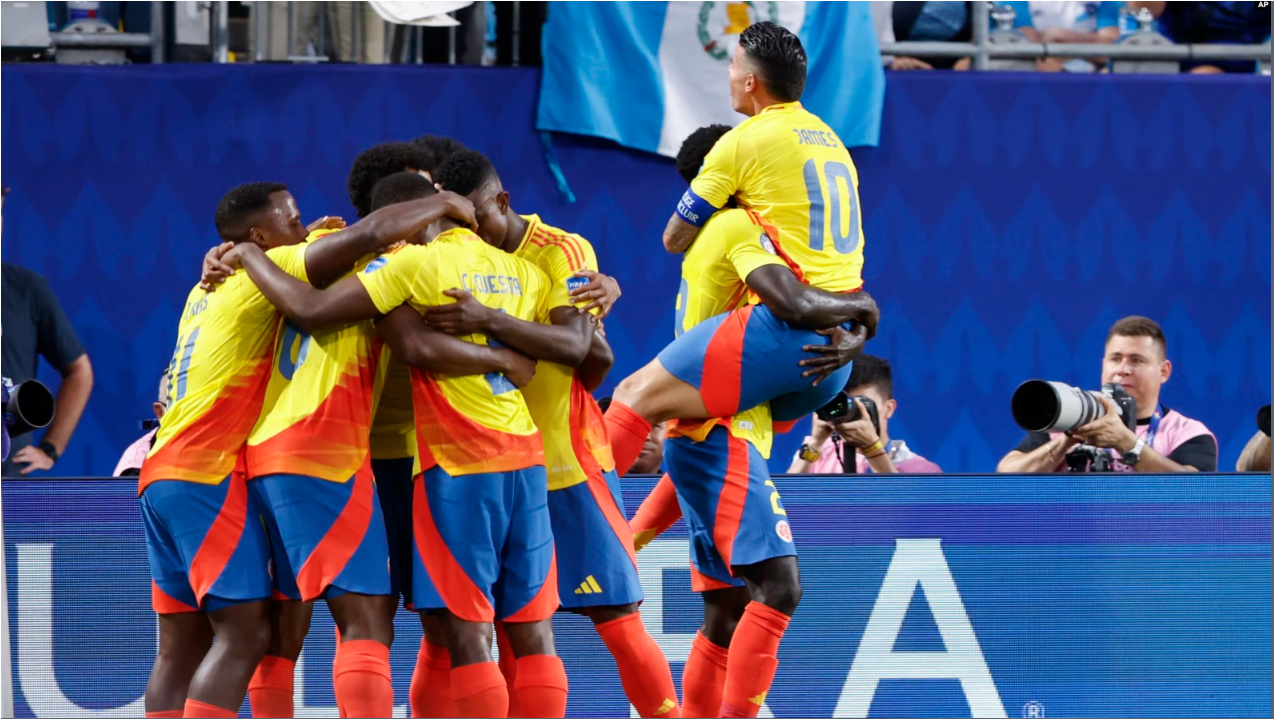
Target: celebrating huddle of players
(403, 408)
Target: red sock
(542, 686)
(703, 679)
(340, 711)
(644, 671)
(479, 691)
(270, 690)
(196, 709)
(752, 661)
(164, 713)
(783, 427)
(431, 691)
(361, 675)
(658, 513)
(508, 668)
(628, 432)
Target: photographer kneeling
(861, 442)
(1134, 367)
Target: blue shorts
(206, 547)
(484, 545)
(732, 509)
(743, 358)
(394, 490)
(596, 563)
(327, 538)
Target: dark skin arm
(566, 341)
(419, 345)
(679, 235)
(597, 363)
(345, 302)
(803, 306)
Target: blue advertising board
(938, 596)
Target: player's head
(769, 67)
(264, 213)
(871, 378)
(375, 164)
(470, 173)
(690, 157)
(400, 188)
(437, 149)
(1136, 357)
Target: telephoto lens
(1045, 406)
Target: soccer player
(786, 165)
(741, 543)
(379, 162)
(437, 148)
(597, 569)
(208, 556)
(482, 530)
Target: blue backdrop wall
(1010, 220)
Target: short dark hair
(239, 207)
(690, 157)
(1138, 326)
(437, 149)
(605, 403)
(873, 371)
(780, 59)
(464, 172)
(377, 163)
(400, 187)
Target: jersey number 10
(835, 176)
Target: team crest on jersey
(575, 283)
(720, 24)
(783, 530)
(375, 265)
(766, 243)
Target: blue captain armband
(694, 209)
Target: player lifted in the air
(481, 523)
(597, 570)
(786, 165)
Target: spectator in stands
(922, 22)
(824, 451)
(131, 461)
(1166, 441)
(1225, 23)
(1068, 22)
(35, 325)
(651, 459)
(1256, 456)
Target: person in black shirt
(35, 325)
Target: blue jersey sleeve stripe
(694, 209)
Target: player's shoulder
(548, 245)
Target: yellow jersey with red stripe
(393, 423)
(793, 170)
(465, 423)
(732, 244)
(218, 377)
(570, 421)
(318, 408)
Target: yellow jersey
(570, 421)
(393, 423)
(465, 423)
(318, 407)
(792, 169)
(732, 244)
(218, 377)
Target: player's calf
(243, 635)
(644, 671)
(184, 640)
(649, 396)
(775, 587)
(270, 690)
(540, 679)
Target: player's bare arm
(679, 234)
(565, 341)
(312, 309)
(421, 346)
(803, 306)
(599, 293)
(331, 256)
(597, 363)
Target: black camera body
(1127, 404)
(841, 409)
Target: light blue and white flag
(646, 74)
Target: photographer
(856, 446)
(1256, 456)
(1165, 441)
